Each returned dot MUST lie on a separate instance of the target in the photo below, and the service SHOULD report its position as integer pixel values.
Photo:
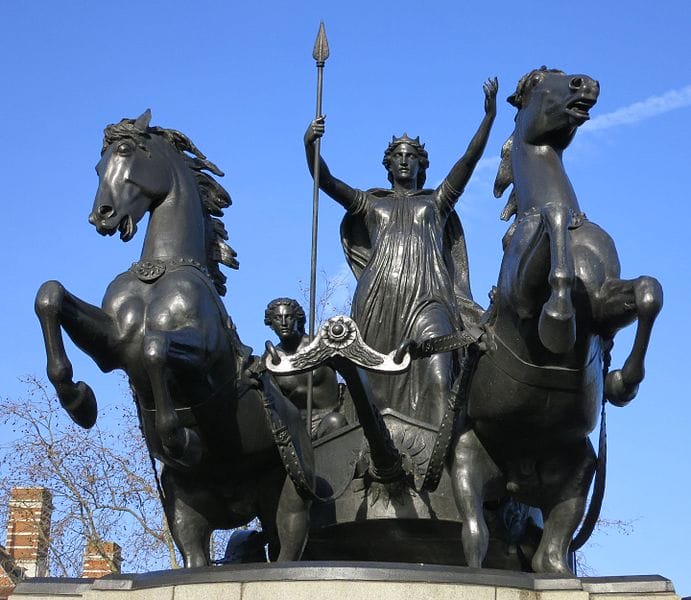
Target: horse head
(552, 105)
(132, 174)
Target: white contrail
(638, 111)
(627, 115)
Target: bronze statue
(287, 318)
(406, 248)
(163, 322)
(514, 392)
(537, 387)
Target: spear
(320, 54)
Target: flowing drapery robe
(407, 251)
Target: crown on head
(404, 139)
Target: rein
(467, 340)
(593, 514)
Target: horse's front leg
(641, 298)
(91, 329)
(167, 356)
(557, 323)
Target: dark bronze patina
(287, 319)
(164, 324)
(460, 420)
(537, 388)
(406, 248)
(320, 53)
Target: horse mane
(213, 195)
(504, 179)
(526, 82)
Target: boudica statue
(513, 427)
(162, 321)
(407, 250)
(541, 355)
(286, 318)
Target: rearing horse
(164, 324)
(535, 393)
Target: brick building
(101, 558)
(25, 553)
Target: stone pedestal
(345, 581)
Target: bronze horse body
(164, 324)
(537, 388)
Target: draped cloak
(408, 254)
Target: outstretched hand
(315, 130)
(490, 87)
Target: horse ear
(142, 121)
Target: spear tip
(321, 46)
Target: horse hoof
(79, 402)
(542, 563)
(616, 390)
(557, 332)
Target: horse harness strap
(291, 438)
(446, 343)
(150, 270)
(457, 403)
(557, 378)
(465, 339)
(577, 217)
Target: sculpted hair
(294, 305)
(419, 148)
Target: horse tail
(593, 513)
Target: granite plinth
(346, 581)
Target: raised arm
(337, 189)
(460, 173)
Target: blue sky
(238, 78)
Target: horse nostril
(105, 211)
(576, 83)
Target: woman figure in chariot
(407, 250)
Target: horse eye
(124, 148)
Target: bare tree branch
(102, 481)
